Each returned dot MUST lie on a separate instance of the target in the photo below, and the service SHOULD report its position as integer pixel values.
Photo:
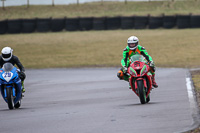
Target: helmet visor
(5, 56)
(132, 45)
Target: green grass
(196, 79)
(168, 48)
(96, 9)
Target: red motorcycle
(140, 78)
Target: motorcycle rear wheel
(10, 98)
(148, 99)
(18, 104)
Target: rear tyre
(10, 98)
(148, 99)
(142, 92)
(18, 104)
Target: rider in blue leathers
(7, 56)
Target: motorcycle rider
(134, 48)
(7, 56)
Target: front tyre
(142, 92)
(10, 98)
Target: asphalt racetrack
(93, 100)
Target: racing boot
(155, 85)
(122, 76)
(23, 89)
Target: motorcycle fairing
(14, 83)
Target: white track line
(190, 93)
(193, 104)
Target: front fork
(135, 86)
(13, 90)
(4, 91)
(144, 81)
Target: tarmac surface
(93, 100)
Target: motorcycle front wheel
(142, 92)
(10, 98)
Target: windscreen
(8, 67)
(137, 57)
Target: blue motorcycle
(10, 85)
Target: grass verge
(196, 80)
(168, 48)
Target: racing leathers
(127, 53)
(14, 60)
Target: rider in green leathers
(134, 48)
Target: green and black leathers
(127, 53)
